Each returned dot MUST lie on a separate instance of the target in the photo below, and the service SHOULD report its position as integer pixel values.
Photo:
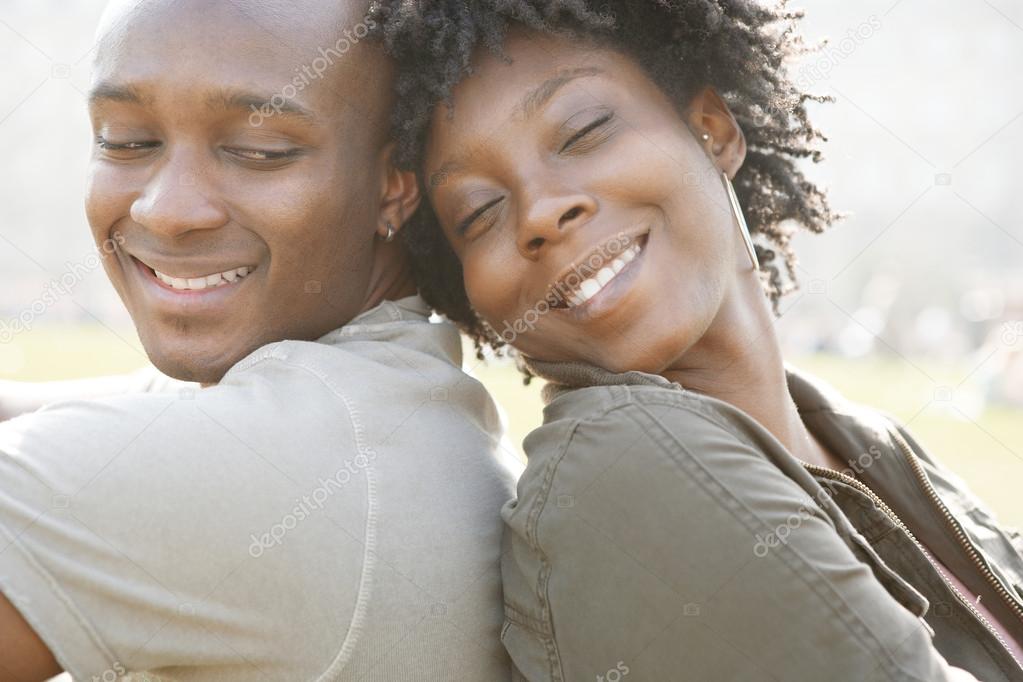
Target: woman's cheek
(483, 296)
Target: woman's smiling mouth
(609, 267)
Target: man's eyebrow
(117, 92)
(542, 94)
(267, 105)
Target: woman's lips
(604, 274)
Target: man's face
(236, 224)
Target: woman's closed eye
(590, 135)
(466, 223)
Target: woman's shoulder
(613, 416)
(655, 434)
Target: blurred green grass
(985, 447)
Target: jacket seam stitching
(543, 578)
(854, 627)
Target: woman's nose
(551, 219)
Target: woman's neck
(739, 360)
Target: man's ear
(708, 114)
(399, 194)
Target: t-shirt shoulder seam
(355, 626)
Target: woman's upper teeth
(592, 286)
(206, 282)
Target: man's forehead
(302, 25)
(242, 46)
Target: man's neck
(391, 278)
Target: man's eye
(263, 154)
(125, 147)
(585, 134)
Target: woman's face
(592, 224)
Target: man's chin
(189, 369)
(192, 362)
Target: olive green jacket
(661, 534)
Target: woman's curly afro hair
(738, 47)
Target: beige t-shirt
(329, 511)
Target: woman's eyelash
(464, 226)
(603, 120)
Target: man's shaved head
(313, 40)
(235, 134)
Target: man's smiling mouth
(205, 282)
(196, 283)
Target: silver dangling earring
(389, 237)
(743, 227)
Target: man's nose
(178, 199)
(551, 219)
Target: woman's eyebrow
(528, 107)
(538, 97)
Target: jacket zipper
(957, 528)
(829, 473)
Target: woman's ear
(717, 131)
(399, 195)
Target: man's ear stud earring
(705, 137)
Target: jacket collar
(857, 434)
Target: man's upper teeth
(209, 281)
(592, 286)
